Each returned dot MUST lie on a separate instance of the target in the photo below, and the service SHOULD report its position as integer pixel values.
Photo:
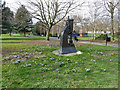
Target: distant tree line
(51, 16)
(7, 19)
(20, 22)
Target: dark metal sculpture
(66, 44)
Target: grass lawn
(18, 37)
(35, 66)
(91, 37)
(85, 38)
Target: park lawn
(15, 35)
(91, 38)
(22, 38)
(85, 38)
(37, 67)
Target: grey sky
(14, 5)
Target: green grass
(85, 38)
(91, 38)
(7, 37)
(32, 37)
(54, 74)
(15, 35)
(16, 41)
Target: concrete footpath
(98, 43)
(101, 43)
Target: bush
(101, 37)
(117, 35)
(35, 30)
(54, 35)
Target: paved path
(103, 44)
(97, 43)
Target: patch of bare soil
(43, 42)
(52, 42)
(8, 51)
(22, 56)
(40, 42)
(79, 44)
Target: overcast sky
(14, 5)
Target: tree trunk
(94, 33)
(10, 34)
(24, 34)
(112, 30)
(47, 36)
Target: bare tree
(58, 27)
(103, 25)
(85, 25)
(95, 12)
(116, 23)
(110, 7)
(119, 20)
(52, 12)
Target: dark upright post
(106, 39)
